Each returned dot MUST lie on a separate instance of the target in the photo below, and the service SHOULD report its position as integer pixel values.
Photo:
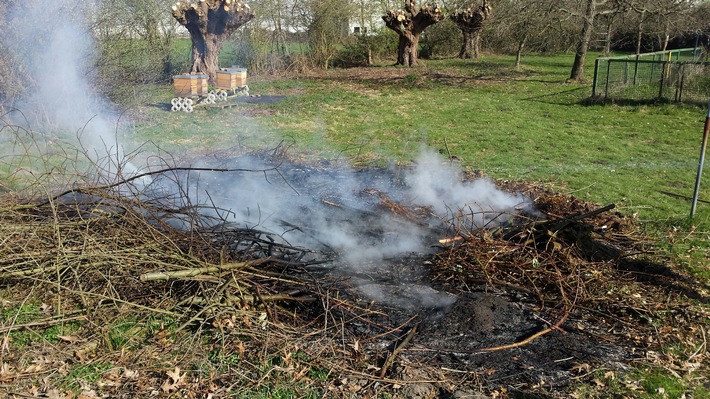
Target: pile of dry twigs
(586, 262)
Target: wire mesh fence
(677, 75)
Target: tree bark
(639, 33)
(210, 23)
(409, 24)
(407, 50)
(519, 52)
(580, 55)
(607, 40)
(477, 45)
(466, 45)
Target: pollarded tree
(409, 24)
(210, 22)
(470, 21)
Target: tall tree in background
(531, 25)
(326, 25)
(409, 24)
(145, 19)
(660, 18)
(210, 22)
(470, 21)
(592, 9)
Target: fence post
(606, 85)
(703, 146)
(594, 82)
(679, 88)
(663, 78)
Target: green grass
(87, 372)
(27, 313)
(653, 383)
(282, 391)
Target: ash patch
(458, 332)
(258, 99)
(408, 296)
(462, 338)
(480, 320)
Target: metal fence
(677, 75)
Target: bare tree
(409, 24)
(699, 21)
(530, 25)
(139, 19)
(210, 23)
(327, 26)
(470, 21)
(592, 9)
(661, 18)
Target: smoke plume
(52, 46)
(349, 211)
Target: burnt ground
(567, 293)
(468, 333)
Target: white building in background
(368, 16)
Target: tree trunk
(666, 39)
(409, 24)
(471, 21)
(607, 40)
(210, 23)
(407, 50)
(519, 53)
(477, 45)
(205, 54)
(466, 45)
(639, 34)
(585, 37)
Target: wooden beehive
(202, 80)
(192, 85)
(231, 78)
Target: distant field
(511, 124)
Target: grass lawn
(511, 124)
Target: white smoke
(440, 185)
(329, 207)
(53, 45)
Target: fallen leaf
(6, 374)
(177, 380)
(129, 374)
(86, 352)
(581, 367)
